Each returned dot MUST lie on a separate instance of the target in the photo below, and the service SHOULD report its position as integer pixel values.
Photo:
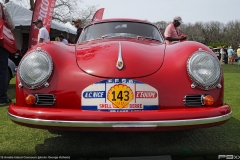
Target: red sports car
(119, 76)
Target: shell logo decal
(120, 96)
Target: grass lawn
(223, 139)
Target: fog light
(208, 100)
(30, 99)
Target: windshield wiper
(118, 36)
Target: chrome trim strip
(192, 100)
(45, 99)
(120, 63)
(103, 124)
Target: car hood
(101, 58)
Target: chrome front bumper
(119, 124)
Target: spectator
(160, 29)
(172, 32)
(238, 54)
(57, 39)
(70, 40)
(234, 55)
(230, 55)
(225, 55)
(222, 55)
(78, 25)
(62, 39)
(43, 35)
(4, 100)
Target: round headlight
(35, 68)
(204, 69)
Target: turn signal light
(208, 100)
(30, 99)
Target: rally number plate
(119, 95)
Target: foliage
(215, 45)
(161, 24)
(65, 10)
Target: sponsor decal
(94, 94)
(8, 36)
(7, 32)
(9, 40)
(146, 94)
(119, 95)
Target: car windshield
(121, 30)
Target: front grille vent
(45, 99)
(193, 100)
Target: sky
(191, 11)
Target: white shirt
(65, 41)
(222, 51)
(43, 33)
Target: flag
(98, 14)
(43, 9)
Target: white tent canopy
(68, 25)
(22, 17)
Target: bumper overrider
(66, 118)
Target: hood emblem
(119, 64)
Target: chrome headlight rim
(216, 80)
(43, 81)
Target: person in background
(234, 54)
(78, 25)
(62, 39)
(222, 55)
(238, 54)
(225, 55)
(230, 54)
(57, 39)
(160, 29)
(70, 40)
(4, 100)
(43, 35)
(172, 32)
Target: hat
(37, 21)
(77, 20)
(178, 18)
